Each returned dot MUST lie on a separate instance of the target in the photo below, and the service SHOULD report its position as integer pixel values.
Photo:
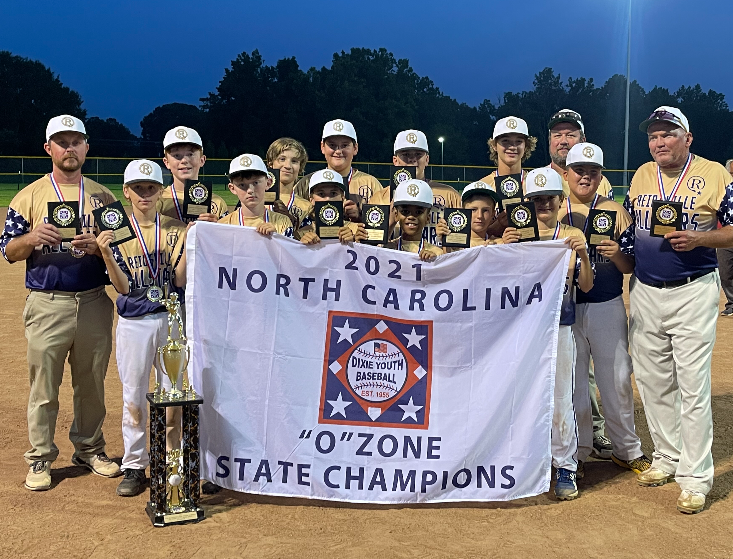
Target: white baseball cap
(544, 181)
(64, 123)
(480, 188)
(339, 127)
(182, 135)
(413, 192)
(247, 162)
(585, 153)
(411, 139)
(326, 176)
(510, 125)
(566, 115)
(143, 170)
(670, 114)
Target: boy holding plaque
(328, 219)
(142, 269)
(290, 158)
(184, 157)
(413, 200)
(248, 180)
(482, 199)
(601, 326)
(544, 187)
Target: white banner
(362, 374)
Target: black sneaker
(209, 488)
(727, 312)
(133, 484)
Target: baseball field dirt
(82, 517)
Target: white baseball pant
(672, 334)
(601, 332)
(564, 442)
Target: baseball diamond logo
(457, 221)
(329, 214)
(412, 138)
(338, 126)
(375, 216)
(63, 214)
(181, 134)
(511, 123)
(198, 192)
(402, 175)
(509, 187)
(666, 214)
(112, 218)
(602, 223)
(520, 216)
(245, 161)
(588, 151)
(67, 121)
(376, 371)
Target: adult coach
(725, 262)
(67, 312)
(674, 301)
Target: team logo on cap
(112, 218)
(338, 126)
(511, 123)
(666, 214)
(377, 371)
(181, 134)
(67, 121)
(509, 187)
(412, 138)
(245, 161)
(457, 221)
(521, 216)
(146, 168)
(375, 217)
(588, 152)
(602, 223)
(63, 215)
(540, 180)
(413, 190)
(328, 175)
(329, 214)
(401, 175)
(198, 192)
(480, 184)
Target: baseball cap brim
(564, 118)
(480, 192)
(544, 193)
(645, 125)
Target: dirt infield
(82, 517)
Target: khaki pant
(79, 325)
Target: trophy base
(160, 519)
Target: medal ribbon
(496, 174)
(144, 247)
(419, 249)
(61, 198)
(351, 173)
(680, 178)
(292, 199)
(176, 203)
(557, 231)
(570, 211)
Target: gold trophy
(174, 474)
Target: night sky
(126, 58)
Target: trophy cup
(174, 475)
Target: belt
(680, 282)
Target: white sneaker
(691, 502)
(39, 476)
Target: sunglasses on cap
(569, 114)
(665, 115)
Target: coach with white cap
(67, 312)
(676, 202)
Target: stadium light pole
(442, 170)
(628, 86)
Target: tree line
(255, 103)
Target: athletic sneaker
(580, 472)
(133, 484)
(602, 447)
(209, 488)
(690, 502)
(39, 476)
(726, 312)
(654, 477)
(565, 487)
(636, 465)
(99, 464)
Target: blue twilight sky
(126, 58)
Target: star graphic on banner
(413, 339)
(345, 332)
(339, 405)
(410, 410)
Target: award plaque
(65, 217)
(523, 217)
(459, 223)
(272, 193)
(196, 199)
(666, 217)
(601, 226)
(114, 218)
(174, 474)
(400, 174)
(509, 188)
(376, 221)
(329, 218)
